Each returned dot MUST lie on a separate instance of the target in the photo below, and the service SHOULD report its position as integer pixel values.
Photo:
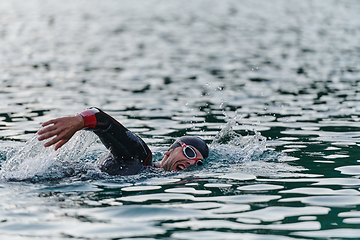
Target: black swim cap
(196, 142)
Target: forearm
(119, 140)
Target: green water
(272, 86)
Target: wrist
(80, 122)
(88, 119)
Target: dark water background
(271, 85)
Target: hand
(63, 128)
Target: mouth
(179, 167)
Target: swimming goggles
(190, 153)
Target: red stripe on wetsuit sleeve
(89, 118)
(147, 158)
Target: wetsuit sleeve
(123, 144)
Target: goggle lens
(190, 153)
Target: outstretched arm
(62, 129)
(122, 143)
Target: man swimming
(129, 154)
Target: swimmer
(128, 153)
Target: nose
(190, 162)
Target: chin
(168, 167)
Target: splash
(235, 147)
(232, 152)
(229, 152)
(33, 160)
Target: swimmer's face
(175, 160)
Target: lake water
(272, 86)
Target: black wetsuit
(128, 155)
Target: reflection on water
(271, 86)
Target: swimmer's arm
(122, 143)
(63, 128)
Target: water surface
(270, 85)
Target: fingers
(52, 141)
(59, 140)
(61, 143)
(46, 131)
(50, 128)
(50, 132)
(53, 121)
(62, 129)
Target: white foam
(34, 160)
